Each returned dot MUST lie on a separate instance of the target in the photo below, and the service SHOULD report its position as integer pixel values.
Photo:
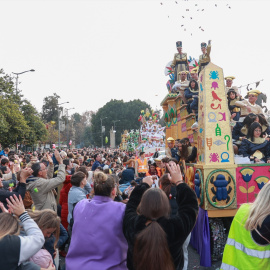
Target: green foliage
(19, 120)
(38, 131)
(49, 109)
(13, 125)
(7, 88)
(126, 112)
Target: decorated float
(220, 184)
(151, 133)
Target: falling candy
(35, 190)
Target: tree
(126, 112)
(49, 109)
(19, 120)
(81, 124)
(37, 129)
(14, 128)
(7, 88)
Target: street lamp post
(102, 131)
(114, 124)
(17, 77)
(59, 122)
(68, 126)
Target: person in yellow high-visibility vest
(248, 244)
(141, 165)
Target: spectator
(249, 236)
(97, 163)
(19, 190)
(97, 238)
(170, 190)
(128, 173)
(80, 188)
(147, 216)
(40, 188)
(15, 249)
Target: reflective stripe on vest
(241, 251)
(142, 168)
(250, 252)
(225, 266)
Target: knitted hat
(42, 258)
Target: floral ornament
(261, 181)
(140, 118)
(142, 112)
(247, 175)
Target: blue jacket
(127, 175)
(97, 164)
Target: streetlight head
(32, 70)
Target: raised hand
(58, 157)
(16, 205)
(3, 208)
(25, 173)
(175, 173)
(148, 180)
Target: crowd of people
(104, 208)
(99, 208)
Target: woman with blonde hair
(15, 249)
(97, 240)
(248, 244)
(48, 222)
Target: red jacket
(63, 201)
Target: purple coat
(97, 240)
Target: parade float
(151, 133)
(220, 184)
(149, 138)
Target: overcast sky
(89, 52)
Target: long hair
(196, 85)
(47, 219)
(184, 150)
(249, 119)
(151, 250)
(262, 120)
(165, 184)
(260, 209)
(9, 225)
(251, 129)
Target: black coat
(5, 194)
(248, 148)
(236, 132)
(177, 228)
